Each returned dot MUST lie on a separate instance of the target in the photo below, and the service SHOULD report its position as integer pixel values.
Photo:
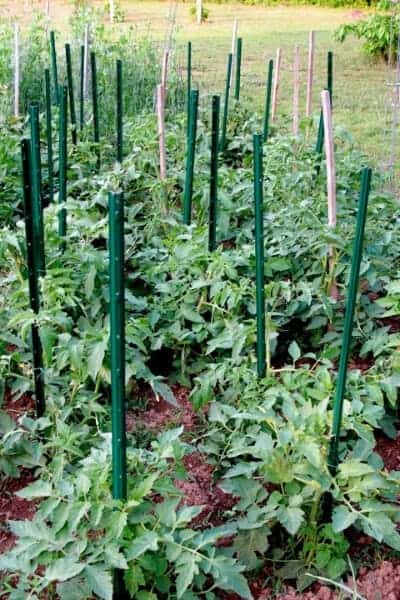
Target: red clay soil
(14, 508)
(16, 407)
(389, 451)
(159, 413)
(199, 489)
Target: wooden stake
(310, 73)
(296, 89)
(161, 130)
(164, 71)
(275, 89)
(234, 44)
(330, 157)
(16, 70)
(199, 12)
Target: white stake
(233, 49)
(16, 70)
(275, 88)
(48, 10)
(161, 130)
(199, 11)
(310, 73)
(112, 11)
(330, 157)
(86, 61)
(296, 89)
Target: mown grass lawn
(359, 87)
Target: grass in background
(359, 85)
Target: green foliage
(379, 33)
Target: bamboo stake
(33, 252)
(16, 70)
(275, 90)
(164, 72)
(259, 251)
(330, 157)
(212, 221)
(296, 89)
(199, 12)
(333, 456)
(310, 73)
(161, 131)
(190, 157)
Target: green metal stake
(212, 222)
(268, 100)
(36, 188)
(189, 83)
(226, 105)
(259, 251)
(54, 69)
(71, 93)
(333, 457)
(96, 129)
(119, 112)
(62, 177)
(81, 89)
(32, 257)
(238, 72)
(330, 76)
(190, 157)
(117, 351)
(49, 135)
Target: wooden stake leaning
(161, 131)
(33, 258)
(275, 89)
(16, 70)
(310, 73)
(296, 89)
(164, 71)
(259, 251)
(333, 456)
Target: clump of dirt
(18, 406)
(159, 413)
(199, 489)
(392, 322)
(361, 364)
(389, 451)
(13, 508)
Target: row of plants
(190, 325)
